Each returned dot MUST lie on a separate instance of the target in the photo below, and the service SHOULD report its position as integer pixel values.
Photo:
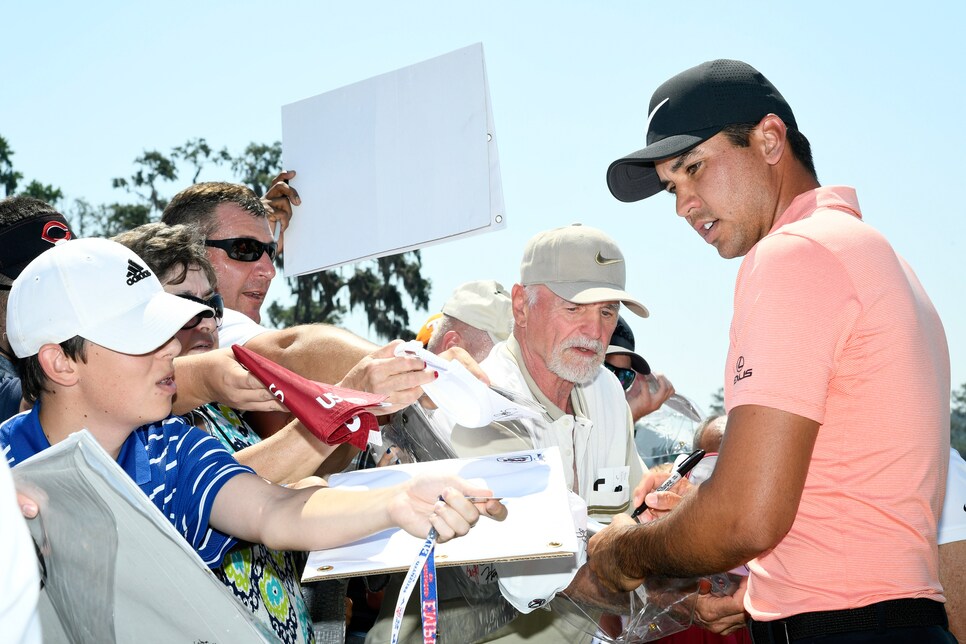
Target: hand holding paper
(461, 395)
(383, 371)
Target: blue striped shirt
(179, 467)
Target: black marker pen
(685, 467)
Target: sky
(87, 87)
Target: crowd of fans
(829, 492)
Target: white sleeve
(19, 576)
(952, 522)
(530, 584)
(238, 328)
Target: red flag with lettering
(334, 414)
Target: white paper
(393, 163)
(462, 395)
(117, 570)
(538, 524)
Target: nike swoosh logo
(650, 117)
(604, 262)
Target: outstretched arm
(249, 508)
(217, 376)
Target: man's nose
(686, 201)
(265, 266)
(592, 323)
(208, 324)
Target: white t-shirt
(952, 522)
(237, 328)
(19, 577)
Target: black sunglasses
(216, 309)
(244, 249)
(625, 376)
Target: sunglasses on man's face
(244, 249)
(216, 309)
(625, 376)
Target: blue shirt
(179, 467)
(10, 392)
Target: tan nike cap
(580, 264)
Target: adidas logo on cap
(135, 272)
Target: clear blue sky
(87, 87)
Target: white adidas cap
(96, 289)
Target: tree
(47, 192)
(152, 166)
(717, 402)
(257, 165)
(9, 178)
(957, 420)
(198, 154)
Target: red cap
(334, 414)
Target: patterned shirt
(266, 581)
(179, 467)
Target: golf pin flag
(333, 414)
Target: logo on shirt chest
(740, 371)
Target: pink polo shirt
(830, 324)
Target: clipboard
(539, 524)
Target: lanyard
(424, 568)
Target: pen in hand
(685, 467)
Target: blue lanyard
(424, 568)
(428, 603)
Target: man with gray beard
(565, 309)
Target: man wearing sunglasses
(631, 370)
(237, 227)
(240, 245)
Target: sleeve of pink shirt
(795, 307)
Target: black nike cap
(690, 108)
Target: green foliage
(258, 165)
(47, 193)
(376, 287)
(957, 420)
(152, 166)
(316, 300)
(197, 153)
(9, 178)
(717, 402)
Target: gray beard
(581, 370)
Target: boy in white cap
(95, 332)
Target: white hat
(96, 289)
(483, 304)
(580, 264)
